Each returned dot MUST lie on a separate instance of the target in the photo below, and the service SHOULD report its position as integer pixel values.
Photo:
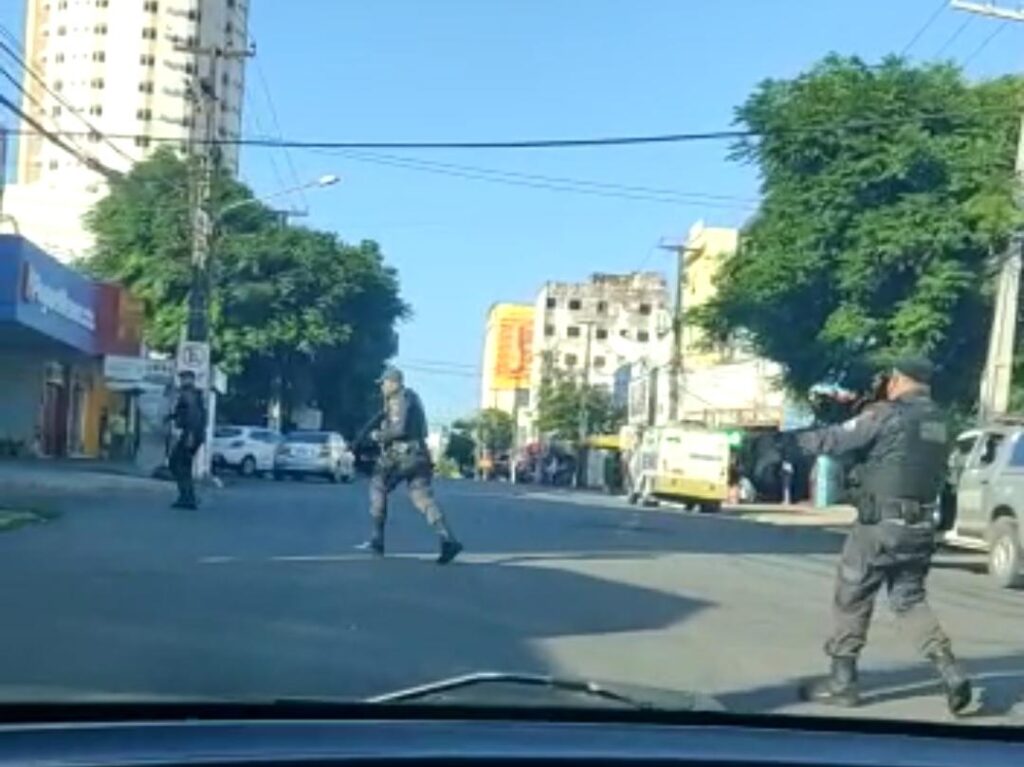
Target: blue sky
(508, 69)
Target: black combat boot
(837, 689)
(450, 547)
(954, 681)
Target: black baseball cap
(915, 367)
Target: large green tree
(298, 315)
(886, 191)
(565, 402)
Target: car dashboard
(424, 734)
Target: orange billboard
(511, 331)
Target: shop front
(55, 327)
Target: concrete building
(705, 249)
(507, 358)
(724, 386)
(592, 329)
(99, 70)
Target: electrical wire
(556, 180)
(10, 51)
(984, 43)
(943, 4)
(523, 180)
(572, 143)
(953, 38)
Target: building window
(96, 110)
(574, 304)
(643, 336)
(94, 137)
(142, 141)
(144, 114)
(147, 59)
(601, 334)
(55, 110)
(573, 331)
(149, 33)
(552, 303)
(102, 3)
(602, 307)
(549, 330)
(53, 165)
(59, 58)
(146, 86)
(229, 28)
(645, 309)
(58, 85)
(96, 83)
(100, 29)
(570, 360)
(151, 6)
(598, 362)
(99, 56)
(61, 31)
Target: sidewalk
(70, 477)
(795, 515)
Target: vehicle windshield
(650, 354)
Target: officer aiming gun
(898, 444)
(400, 431)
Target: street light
(326, 180)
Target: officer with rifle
(899, 445)
(400, 430)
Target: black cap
(187, 374)
(915, 367)
(391, 373)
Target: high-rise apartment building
(118, 77)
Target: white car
(249, 450)
(315, 453)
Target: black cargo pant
(417, 472)
(894, 554)
(180, 463)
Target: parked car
(987, 470)
(314, 453)
(249, 450)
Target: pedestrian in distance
(189, 418)
(900, 446)
(400, 429)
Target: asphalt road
(260, 595)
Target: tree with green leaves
(886, 192)
(564, 402)
(299, 316)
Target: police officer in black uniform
(189, 417)
(400, 430)
(900, 446)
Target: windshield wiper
(579, 687)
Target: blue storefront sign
(40, 294)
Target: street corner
(44, 482)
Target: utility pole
(996, 379)
(676, 364)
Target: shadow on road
(999, 683)
(343, 628)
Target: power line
(953, 37)
(558, 180)
(925, 27)
(524, 180)
(563, 143)
(277, 127)
(984, 44)
(57, 140)
(10, 51)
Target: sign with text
(195, 356)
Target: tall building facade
(118, 79)
(591, 329)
